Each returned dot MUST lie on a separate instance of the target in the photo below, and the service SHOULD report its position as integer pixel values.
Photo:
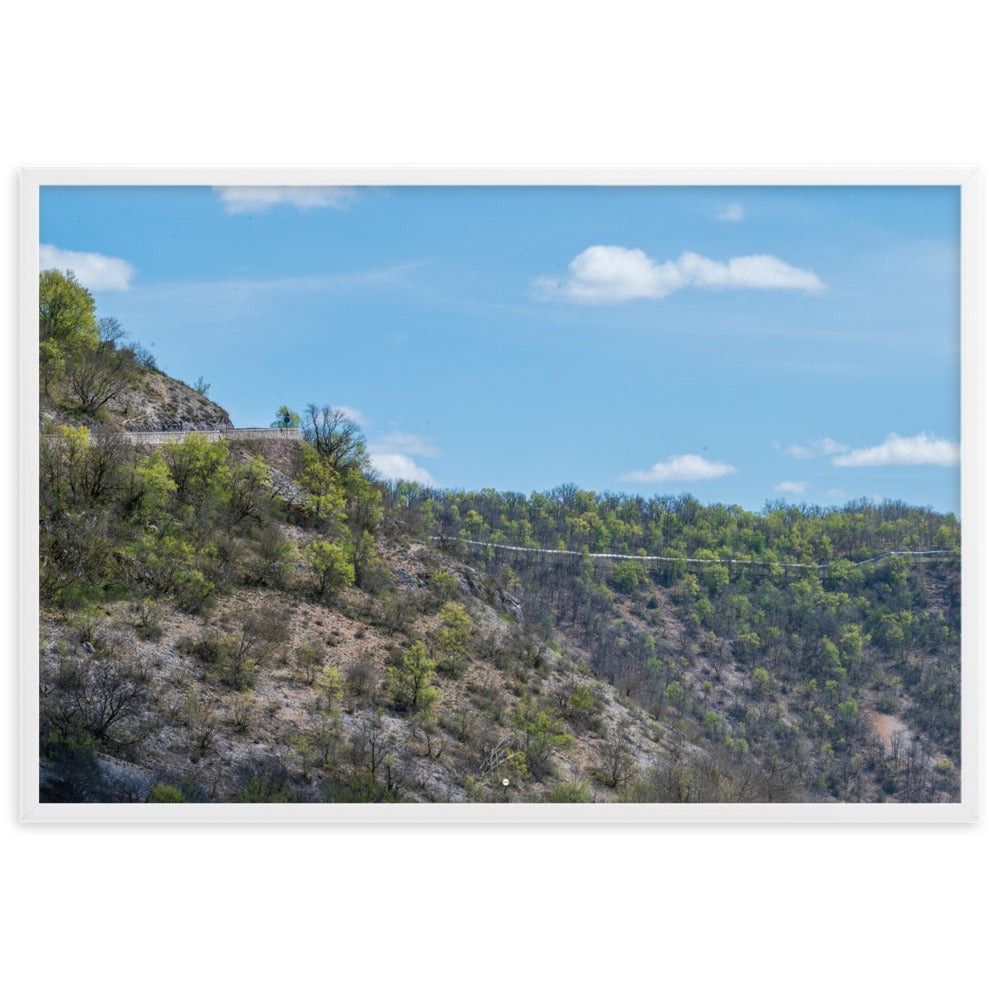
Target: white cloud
(923, 449)
(824, 446)
(351, 414)
(604, 274)
(258, 199)
(680, 468)
(391, 456)
(94, 271)
(355, 416)
(789, 486)
(759, 270)
(407, 444)
(795, 450)
(733, 212)
(830, 447)
(393, 467)
(835, 494)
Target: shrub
(539, 735)
(266, 781)
(454, 636)
(194, 593)
(309, 660)
(444, 587)
(165, 793)
(331, 569)
(571, 791)
(257, 635)
(361, 678)
(628, 577)
(150, 616)
(271, 560)
(410, 683)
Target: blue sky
(738, 344)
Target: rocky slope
(289, 735)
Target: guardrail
(922, 553)
(218, 434)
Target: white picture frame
(31, 810)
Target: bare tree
(618, 759)
(336, 436)
(97, 373)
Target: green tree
(455, 634)
(411, 683)
(629, 576)
(539, 735)
(332, 686)
(294, 420)
(248, 491)
(65, 309)
(331, 569)
(197, 466)
(326, 502)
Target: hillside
(267, 622)
(789, 638)
(149, 399)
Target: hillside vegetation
(271, 623)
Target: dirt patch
(888, 725)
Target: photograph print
(505, 498)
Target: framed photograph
(500, 495)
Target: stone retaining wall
(229, 434)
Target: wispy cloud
(923, 449)
(790, 486)
(824, 446)
(408, 444)
(733, 212)
(236, 290)
(680, 468)
(356, 416)
(238, 200)
(94, 271)
(794, 450)
(828, 446)
(604, 274)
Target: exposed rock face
(504, 601)
(512, 606)
(407, 579)
(160, 398)
(286, 488)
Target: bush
(361, 678)
(272, 559)
(444, 587)
(539, 736)
(69, 770)
(150, 616)
(165, 793)
(454, 637)
(410, 683)
(194, 593)
(571, 791)
(331, 569)
(309, 659)
(629, 577)
(266, 781)
(257, 635)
